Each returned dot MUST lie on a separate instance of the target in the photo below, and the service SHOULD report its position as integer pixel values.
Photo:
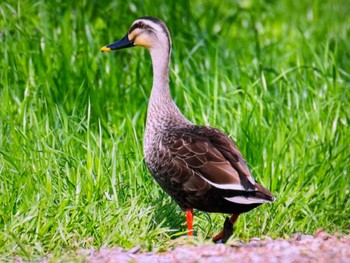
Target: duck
(199, 166)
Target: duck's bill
(123, 43)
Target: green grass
(274, 75)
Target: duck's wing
(208, 155)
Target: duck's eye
(139, 25)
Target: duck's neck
(160, 89)
(162, 111)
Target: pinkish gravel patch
(321, 247)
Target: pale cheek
(132, 35)
(142, 42)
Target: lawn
(274, 75)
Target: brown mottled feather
(194, 157)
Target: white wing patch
(238, 187)
(246, 200)
(251, 179)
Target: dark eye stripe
(139, 25)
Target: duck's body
(198, 166)
(201, 168)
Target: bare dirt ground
(320, 247)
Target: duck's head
(147, 32)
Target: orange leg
(233, 218)
(189, 219)
(225, 234)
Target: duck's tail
(262, 193)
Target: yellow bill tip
(105, 48)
